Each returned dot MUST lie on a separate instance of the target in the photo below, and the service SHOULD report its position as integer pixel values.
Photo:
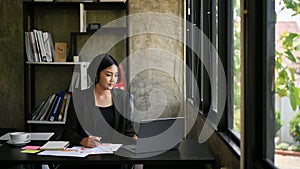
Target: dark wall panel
(11, 65)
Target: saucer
(17, 144)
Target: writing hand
(90, 141)
(135, 137)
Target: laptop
(158, 135)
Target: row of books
(54, 108)
(39, 46)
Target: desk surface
(188, 152)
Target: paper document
(34, 136)
(63, 153)
(80, 151)
(115, 147)
(104, 149)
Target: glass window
(214, 56)
(287, 83)
(219, 47)
(236, 68)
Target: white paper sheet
(79, 151)
(63, 153)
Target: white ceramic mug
(20, 137)
(76, 58)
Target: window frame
(226, 54)
(259, 61)
(258, 56)
(225, 49)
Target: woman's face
(108, 77)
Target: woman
(101, 112)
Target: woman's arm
(73, 130)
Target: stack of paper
(79, 151)
(55, 145)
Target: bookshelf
(62, 19)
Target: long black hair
(99, 63)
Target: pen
(97, 139)
(101, 143)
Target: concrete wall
(11, 65)
(158, 86)
(287, 113)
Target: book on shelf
(43, 109)
(38, 49)
(54, 108)
(39, 46)
(37, 110)
(64, 106)
(49, 48)
(34, 47)
(54, 112)
(47, 107)
(65, 113)
(49, 112)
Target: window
(202, 49)
(244, 43)
(236, 68)
(216, 20)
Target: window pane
(214, 56)
(237, 68)
(287, 84)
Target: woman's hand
(91, 141)
(135, 137)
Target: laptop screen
(153, 127)
(158, 135)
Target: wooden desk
(190, 153)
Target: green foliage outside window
(293, 5)
(295, 127)
(278, 122)
(237, 68)
(285, 81)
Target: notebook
(158, 135)
(55, 145)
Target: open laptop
(158, 135)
